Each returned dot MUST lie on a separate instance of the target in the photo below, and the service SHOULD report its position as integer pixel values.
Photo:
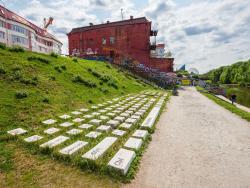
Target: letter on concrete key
(33, 138)
(17, 131)
(65, 116)
(122, 160)
(100, 148)
(54, 142)
(69, 150)
(150, 119)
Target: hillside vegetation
(238, 73)
(35, 87)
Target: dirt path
(197, 144)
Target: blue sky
(201, 34)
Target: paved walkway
(197, 144)
(236, 104)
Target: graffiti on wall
(155, 75)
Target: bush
(2, 71)
(57, 68)
(104, 90)
(112, 84)
(17, 75)
(16, 49)
(2, 46)
(28, 81)
(46, 100)
(40, 59)
(88, 83)
(63, 67)
(89, 69)
(101, 83)
(52, 78)
(105, 78)
(75, 60)
(90, 101)
(54, 55)
(21, 94)
(108, 66)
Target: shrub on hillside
(17, 75)
(16, 49)
(75, 60)
(108, 66)
(2, 71)
(52, 78)
(113, 84)
(58, 69)
(39, 59)
(2, 46)
(63, 67)
(90, 101)
(104, 90)
(21, 94)
(45, 100)
(54, 55)
(88, 83)
(28, 81)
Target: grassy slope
(63, 95)
(228, 106)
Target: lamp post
(6, 24)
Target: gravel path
(196, 144)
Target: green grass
(243, 114)
(35, 87)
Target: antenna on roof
(47, 22)
(122, 13)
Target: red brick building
(121, 40)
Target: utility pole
(122, 13)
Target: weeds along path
(196, 144)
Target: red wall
(131, 41)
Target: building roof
(9, 15)
(110, 24)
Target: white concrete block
(131, 121)
(100, 148)
(93, 134)
(129, 112)
(104, 128)
(139, 114)
(120, 119)
(122, 160)
(88, 116)
(66, 124)
(33, 138)
(17, 131)
(135, 117)
(78, 120)
(124, 114)
(150, 119)
(133, 143)
(94, 107)
(69, 150)
(54, 142)
(110, 114)
(126, 125)
(96, 114)
(108, 108)
(104, 118)
(113, 123)
(84, 110)
(118, 132)
(95, 121)
(85, 126)
(140, 134)
(51, 130)
(49, 121)
(102, 111)
(65, 116)
(74, 131)
(76, 113)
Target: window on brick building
(103, 40)
(2, 35)
(112, 40)
(1, 23)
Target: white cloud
(201, 34)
